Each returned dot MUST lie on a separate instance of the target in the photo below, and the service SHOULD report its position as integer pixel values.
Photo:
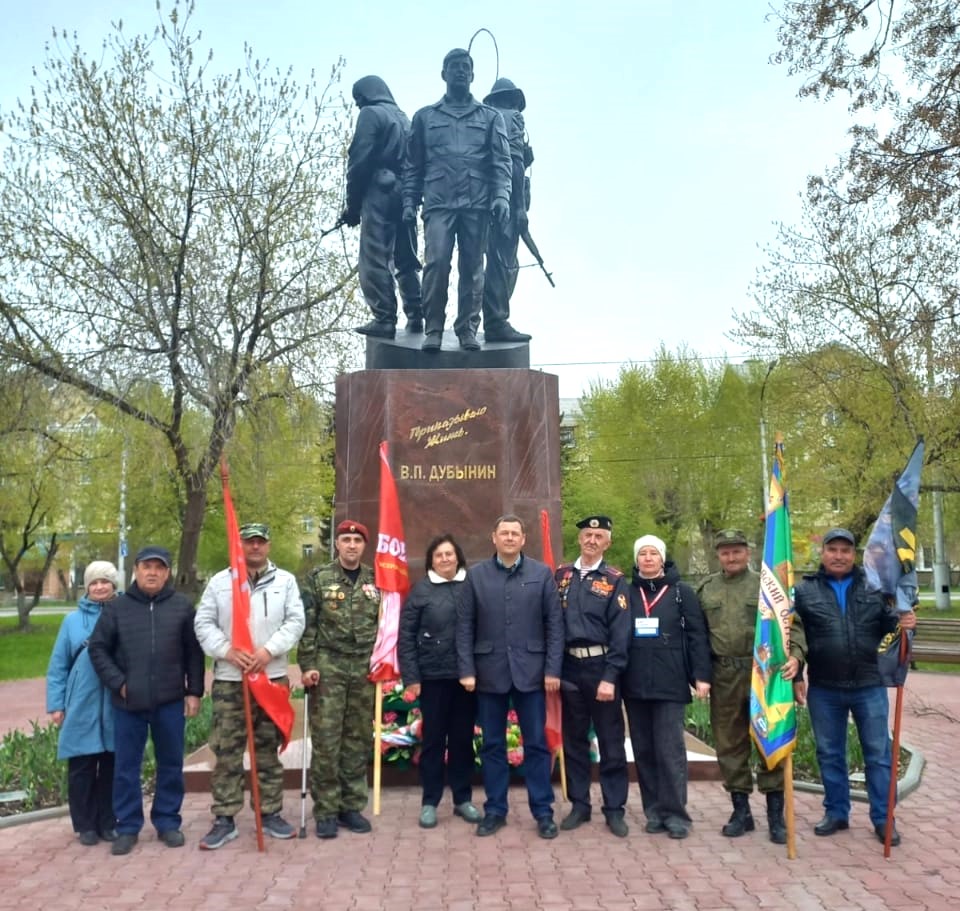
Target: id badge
(646, 627)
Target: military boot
(741, 820)
(778, 828)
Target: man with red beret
(342, 606)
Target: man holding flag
(844, 623)
(275, 621)
(342, 605)
(729, 601)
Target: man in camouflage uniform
(596, 621)
(342, 606)
(276, 623)
(729, 601)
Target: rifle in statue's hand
(532, 247)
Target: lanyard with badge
(648, 627)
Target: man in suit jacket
(510, 649)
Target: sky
(667, 146)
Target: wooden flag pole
(251, 749)
(377, 752)
(788, 806)
(563, 773)
(895, 749)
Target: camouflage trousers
(341, 725)
(228, 740)
(730, 720)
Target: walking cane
(303, 764)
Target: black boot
(778, 828)
(741, 820)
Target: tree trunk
(196, 506)
(23, 612)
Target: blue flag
(889, 559)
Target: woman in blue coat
(80, 705)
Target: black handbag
(684, 641)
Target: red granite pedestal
(465, 446)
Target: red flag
(392, 575)
(273, 698)
(553, 728)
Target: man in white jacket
(276, 624)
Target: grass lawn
(24, 655)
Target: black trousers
(578, 690)
(660, 755)
(90, 792)
(449, 713)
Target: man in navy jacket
(510, 649)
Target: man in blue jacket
(844, 623)
(145, 652)
(510, 649)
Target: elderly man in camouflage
(342, 606)
(729, 601)
(276, 623)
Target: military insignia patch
(622, 601)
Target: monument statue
(500, 277)
(388, 246)
(458, 167)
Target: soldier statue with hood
(388, 247)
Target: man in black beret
(596, 619)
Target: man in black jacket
(510, 649)
(146, 653)
(844, 623)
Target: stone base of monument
(701, 766)
(403, 353)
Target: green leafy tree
(162, 229)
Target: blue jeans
(130, 731)
(829, 711)
(532, 714)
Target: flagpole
(251, 749)
(788, 805)
(377, 753)
(895, 758)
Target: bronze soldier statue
(500, 277)
(458, 168)
(388, 247)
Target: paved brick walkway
(403, 868)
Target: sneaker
(546, 827)
(172, 838)
(327, 827)
(277, 827)
(467, 811)
(223, 831)
(354, 821)
(428, 816)
(490, 824)
(124, 843)
(88, 838)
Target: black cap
(152, 552)
(604, 522)
(841, 534)
(732, 536)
